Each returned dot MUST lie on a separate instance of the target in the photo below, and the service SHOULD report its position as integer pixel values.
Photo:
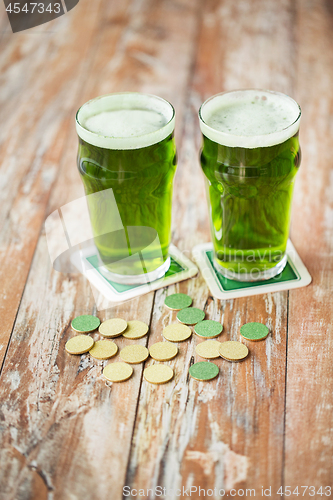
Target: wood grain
(227, 433)
(210, 434)
(309, 435)
(62, 424)
(66, 433)
(39, 80)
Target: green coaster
(88, 262)
(208, 328)
(254, 331)
(85, 323)
(294, 275)
(178, 301)
(203, 370)
(190, 316)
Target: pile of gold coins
(161, 351)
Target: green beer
(127, 162)
(250, 156)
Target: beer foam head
(125, 120)
(249, 118)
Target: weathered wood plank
(60, 418)
(227, 433)
(44, 76)
(62, 425)
(65, 433)
(309, 437)
(222, 434)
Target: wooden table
(266, 422)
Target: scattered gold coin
(135, 330)
(233, 350)
(79, 344)
(112, 327)
(158, 374)
(117, 372)
(163, 351)
(177, 332)
(134, 353)
(103, 349)
(208, 349)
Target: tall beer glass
(127, 154)
(250, 155)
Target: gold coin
(177, 332)
(134, 353)
(79, 344)
(112, 327)
(163, 351)
(233, 350)
(208, 349)
(135, 330)
(117, 372)
(158, 374)
(103, 349)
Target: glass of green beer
(250, 155)
(127, 161)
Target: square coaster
(87, 262)
(294, 275)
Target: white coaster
(294, 275)
(87, 262)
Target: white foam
(249, 118)
(125, 120)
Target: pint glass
(127, 155)
(250, 155)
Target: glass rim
(257, 138)
(131, 142)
